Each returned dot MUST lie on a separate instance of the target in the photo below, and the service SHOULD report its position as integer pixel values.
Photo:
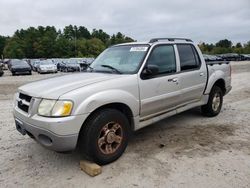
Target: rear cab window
(189, 59)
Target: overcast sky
(200, 20)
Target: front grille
(22, 106)
(24, 102)
(22, 70)
(25, 97)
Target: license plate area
(19, 127)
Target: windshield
(18, 62)
(120, 59)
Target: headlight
(53, 108)
(46, 107)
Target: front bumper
(58, 134)
(47, 138)
(21, 70)
(47, 70)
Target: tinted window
(164, 58)
(188, 57)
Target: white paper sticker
(138, 49)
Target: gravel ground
(186, 150)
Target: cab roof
(156, 40)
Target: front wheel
(215, 101)
(105, 136)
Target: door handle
(202, 74)
(175, 80)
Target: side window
(188, 57)
(164, 57)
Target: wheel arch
(121, 107)
(221, 84)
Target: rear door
(193, 74)
(160, 92)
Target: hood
(53, 88)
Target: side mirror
(150, 70)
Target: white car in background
(47, 66)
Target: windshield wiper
(112, 68)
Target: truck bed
(217, 62)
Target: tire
(105, 136)
(215, 101)
(13, 73)
(30, 73)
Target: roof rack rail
(169, 39)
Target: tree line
(225, 46)
(78, 41)
(48, 42)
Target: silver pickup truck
(128, 87)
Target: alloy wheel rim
(110, 138)
(216, 102)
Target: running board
(146, 121)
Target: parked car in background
(9, 63)
(212, 57)
(230, 57)
(69, 65)
(245, 57)
(19, 67)
(46, 66)
(34, 64)
(83, 62)
(84, 65)
(1, 69)
(5, 62)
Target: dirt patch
(202, 140)
(7, 89)
(239, 67)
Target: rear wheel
(215, 101)
(105, 136)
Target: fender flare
(102, 98)
(213, 78)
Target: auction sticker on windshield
(138, 49)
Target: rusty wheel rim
(110, 138)
(216, 102)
